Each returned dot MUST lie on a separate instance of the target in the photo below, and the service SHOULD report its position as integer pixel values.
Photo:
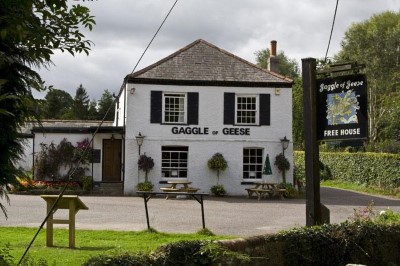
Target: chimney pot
(273, 48)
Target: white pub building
(199, 101)
(180, 111)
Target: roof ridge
(212, 46)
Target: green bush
(145, 186)
(218, 190)
(341, 244)
(371, 169)
(120, 260)
(290, 192)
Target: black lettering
(174, 130)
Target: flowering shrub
(52, 158)
(25, 184)
(370, 215)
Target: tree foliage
(56, 104)
(81, 104)
(376, 43)
(287, 67)
(105, 103)
(30, 30)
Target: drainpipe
(33, 155)
(123, 137)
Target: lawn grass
(88, 243)
(360, 188)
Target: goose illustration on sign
(342, 108)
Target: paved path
(238, 216)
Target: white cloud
(124, 29)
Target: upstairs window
(241, 109)
(246, 110)
(174, 108)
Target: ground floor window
(174, 161)
(252, 163)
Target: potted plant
(145, 163)
(218, 163)
(283, 164)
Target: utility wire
(330, 36)
(86, 150)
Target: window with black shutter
(156, 107)
(246, 109)
(174, 108)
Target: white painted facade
(202, 147)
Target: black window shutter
(156, 107)
(229, 108)
(193, 108)
(265, 109)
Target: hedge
(335, 244)
(371, 169)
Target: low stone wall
(367, 244)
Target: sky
(124, 28)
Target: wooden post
(313, 201)
(49, 227)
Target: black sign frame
(342, 107)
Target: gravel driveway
(237, 216)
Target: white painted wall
(26, 160)
(202, 147)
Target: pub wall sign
(342, 107)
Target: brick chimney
(273, 61)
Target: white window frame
(184, 111)
(257, 110)
(255, 165)
(169, 165)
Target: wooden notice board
(70, 202)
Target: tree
(287, 67)
(105, 104)
(57, 103)
(93, 113)
(30, 30)
(376, 43)
(81, 104)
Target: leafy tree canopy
(376, 43)
(287, 67)
(30, 30)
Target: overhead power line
(333, 25)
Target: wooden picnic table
(184, 187)
(262, 189)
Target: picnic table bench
(262, 189)
(173, 187)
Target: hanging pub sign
(342, 107)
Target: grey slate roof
(202, 62)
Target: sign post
(313, 201)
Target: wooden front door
(112, 160)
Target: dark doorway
(112, 160)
